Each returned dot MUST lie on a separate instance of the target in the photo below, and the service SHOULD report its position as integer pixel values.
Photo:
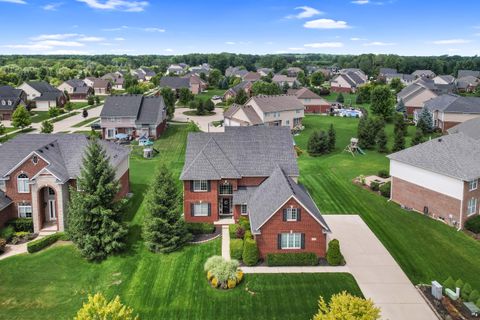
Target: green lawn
(56, 281)
(39, 116)
(206, 95)
(425, 249)
(78, 105)
(84, 122)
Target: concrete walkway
(203, 122)
(225, 242)
(377, 273)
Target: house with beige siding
(415, 95)
(276, 110)
(43, 94)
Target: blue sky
(406, 27)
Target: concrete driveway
(203, 122)
(377, 273)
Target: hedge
(375, 186)
(37, 245)
(250, 252)
(385, 189)
(292, 259)
(334, 256)
(22, 224)
(244, 222)
(200, 228)
(473, 224)
(234, 230)
(236, 248)
(383, 174)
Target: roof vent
(440, 140)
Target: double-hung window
(111, 133)
(200, 209)
(472, 206)
(473, 185)
(24, 210)
(243, 209)
(291, 240)
(22, 183)
(292, 214)
(200, 185)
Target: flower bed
(223, 274)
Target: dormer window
(3, 102)
(9, 102)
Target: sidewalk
(225, 242)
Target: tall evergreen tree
(332, 138)
(94, 216)
(313, 142)
(418, 137)
(285, 87)
(399, 141)
(401, 106)
(367, 132)
(425, 121)
(400, 124)
(169, 99)
(340, 98)
(382, 141)
(164, 229)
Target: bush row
(236, 249)
(250, 252)
(200, 228)
(292, 259)
(37, 245)
(22, 224)
(466, 292)
(473, 224)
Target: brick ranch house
(313, 102)
(36, 171)
(133, 114)
(252, 172)
(439, 178)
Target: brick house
(192, 82)
(439, 178)
(232, 92)
(77, 89)
(252, 172)
(133, 114)
(10, 99)
(312, 102)
(36, 171)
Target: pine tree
(21, 118)
(418, 138)
(399, 141)
(47, 126)
(400, 124)
(322, 143)
(425, 121)
(332, 138)
(164, 229)
(169, 99)
(382, 141)
(367, 132)
(401, 106)
(312, 145)
(94, 217)
(340, 98)
(285, 87)
(200, 107)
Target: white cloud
(68, 52)
(230, 43)
(119, 39)
(57, 36)
(169, 50)
(453, 50)
(120, 5)
(153, 29)
(33, 46)
(361, 1)
(52, 6)
(146, 29)
(379, 44)
(59, 43)
(296, 49)
(326, 24)
(357, 39)
(14, 1)
(451, 41)
(306, 12)
(324, 45)
(91, 39)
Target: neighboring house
(347, 82)
(265, 71)
(77, 89)
(439, 178)
(405, 79)
(252, 172)
(448, 110)
(252, 76)
(466, 73)
(281, 79)
(235, 72)
(356, 71)
(293, 71)
(467, 84)
(101, 87)
(197, 85)
(277, 110)
(313, 102)
(384, 72)
(198, 70)
(444, 84)
(311, 69)
(143, 74)
(10, 99)
(193, 82)
(424, 74)
(116, 79)
(232, 92)
(133, 114)
(469, 128)
(36, 171)
(175, 69)
(415, 95)
(44, 95)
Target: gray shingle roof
(276, 103)
(452, 103)
(385, 71)
(42, 86)
(455, 155)
(145, 110)
(272, 193)
(239, 152)
(243, 194)
(4, 201)
(174, 82)
(470, 128)
(8, 93)
(251, 114)
(152, 111)
(49, 96)
(465, 73)
(64, 152)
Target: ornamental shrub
(220, 271)
(7, 233)
(334, 256)
(212, 262)
(248, 235)
(374, 186)
(466, 291)
(292, 259)
(240, 233)
(98, 307)
(473, 224)
(245, 223)
(239, 276)
(449, 283)
(22, 224)
(385, 189)
(250, 252)
(459, 284)
(209, 275)
(383, 174)
(3, 243)
(231, 283)
(233, 230)
(474, 296)
(214, 282)
(236, 248)
(42, 243)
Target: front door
(226, 206)
(52, 214)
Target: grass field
(206, 95)
(54, 283)
(84, 122)
(425, 249)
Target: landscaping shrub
(240, 233)
(3, 243)
(22, 224)
(7, 233)
(466, 290)
(233, 229)
(474, 296)
(334, 256)
(449, 283)
(42, 243)
(374, 186)
(473, 224)
(385, 189)
(292, 259)
(245, 223)
(383, 174)
(478, 303)
(98, 307)
(248, 235)
(459, 283)
(250, 252)
(200, 228)
(236, 248)
(21, 236)
(222, 272)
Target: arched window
(22, 183)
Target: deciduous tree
(382, 101)
(98, 307)
(47, 126)
(343, 306)
(21, 118)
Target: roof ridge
(223, 153)
(198, 155)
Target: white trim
(42, 170)
(23, 160)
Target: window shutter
(191, 185)
(284, 214)
(302, 241)
(299, 214)
(192, 209)
(209, 209)
(279, 241)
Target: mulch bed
(446, 306)
(199, 238)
